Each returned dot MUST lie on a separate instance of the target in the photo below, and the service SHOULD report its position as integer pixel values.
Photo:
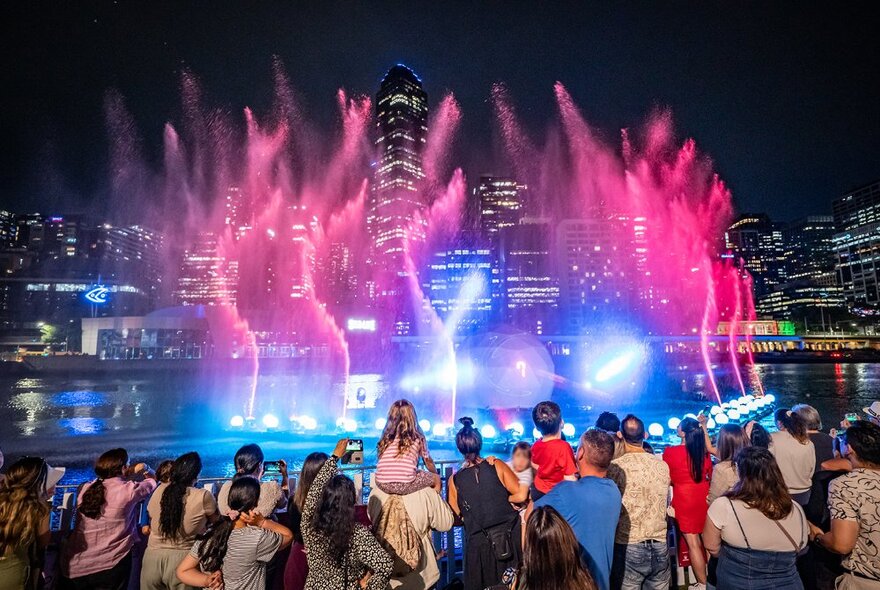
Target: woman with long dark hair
(756, 530)
(795, 454)
(24, 521)
(479, 492)
(179, 512)
(690, 469)
(248, 462)
(296, 569)
(731, 439)
(235, 551)
(98, 554)
(342, 554)
(552, 556)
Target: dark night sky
(783, 96)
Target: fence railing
(449, 546)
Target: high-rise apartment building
(857, 208)
(402, 127)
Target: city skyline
(57, 153)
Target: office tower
(464, 284)
(396, 195)
(857, 245)
(237, 215)
(811, 281)
(501, 203)
(758, 242)
(597, 264)
(530, 285)
(206, 277)
(857, 208)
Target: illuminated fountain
(281, 206)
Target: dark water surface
(72, 420)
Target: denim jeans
(641, 566)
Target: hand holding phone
(852, 417)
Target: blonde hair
(23, 506)
(402, 426)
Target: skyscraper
(530, 284)
(857, 245)
(206, 276)
(501, 203)
(758, 241)
(402, 126)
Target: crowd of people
(798, 508)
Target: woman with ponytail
(98, 554)
(690, 470)
(179, 512)
(248, 462)
(234, 552)
(479, 492)
(24, 522)
(795, 454)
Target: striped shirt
(248, 550)
(396, 468)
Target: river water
(72, 420)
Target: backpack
(398, 536)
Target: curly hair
(22, 503)
(334, 519)
(184, 473)
(110, 464)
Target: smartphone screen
(355, 444)
(852, 417)
(271, 467)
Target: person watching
(248, 462)
(795, 454)
(854, 502)
(591, 505)
(641, 554)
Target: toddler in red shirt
(552, 457)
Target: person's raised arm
(703, 419)
(323, 477)
(188, 572)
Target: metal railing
(449, 546)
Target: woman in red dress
(690, 468)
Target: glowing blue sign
(99, 295)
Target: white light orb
(722, 419)
(308, 423)
(536, 434)
(656, 429)
(380, 423)
(488, 431)
(270, 421)
(673, 423)
(770, 398)
(516, 428)
(710, 424)
(236, 421)
(715, 410)
(439, 429)
(425, 425)
(568, 429)
(733, 414)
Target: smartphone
(705, 411)
(354, 452)
(852, 417)
(271, 466)
(355, 445)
